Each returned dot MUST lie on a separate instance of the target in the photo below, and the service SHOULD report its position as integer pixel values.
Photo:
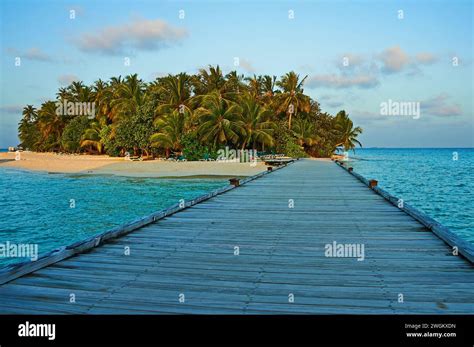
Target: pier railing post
(234, 182)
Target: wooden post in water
(373, 183)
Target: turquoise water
(35, 208)
(428, 179)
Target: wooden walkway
(191, 255)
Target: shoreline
(104, 165)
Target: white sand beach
(102, 164)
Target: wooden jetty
(257, 248)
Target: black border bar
(225, 329)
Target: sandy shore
(95, 164)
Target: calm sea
(437, 181)
(54, 210)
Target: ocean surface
(432, 180)
(54, 210)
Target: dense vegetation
(190, 114)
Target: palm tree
(92, 139)
(345, 132)
(110, 95)
(27, 131)
(50, 125)
(255, 123)
(219, 120)
(305, 131)
(175, 93)
(128, 96)
(209, 81)
(255, 86)
(102, 96)
(77, 92)
(64, 94)
(29, 113)
(219, 109)
(234, 85)
(268, 85)
(170, 132)
(292, 99)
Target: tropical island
(186, 116)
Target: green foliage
(72, 134)
(29, 137)
(193, 149)
(170, 130)
(111, 147)
(134, 132)
(194, 114)
(50, 144)
(292, 149)
(324, 130)
(346, 134)
(219, 120)
(91, 140)
(286, 142)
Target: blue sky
(407, 59)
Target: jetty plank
(280, 223)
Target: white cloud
(141, 34)
(440, 106)
(246, 65)
(67, 79)
(33, 53)
(343, 81)
(394, 59)
(36, 54)
(426, 58)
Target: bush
(194, 150)
(133, 133)
(285, 142)
(71, 137)
(292, 149)
(110, 146)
